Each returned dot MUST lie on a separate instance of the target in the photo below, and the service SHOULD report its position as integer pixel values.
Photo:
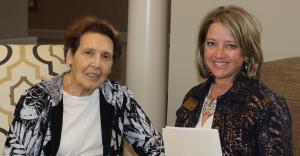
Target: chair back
(283, 77)
(21, 66)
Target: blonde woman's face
(222, 53)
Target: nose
(220, 51)
(96, 61)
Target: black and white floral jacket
(37, 123)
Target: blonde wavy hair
(246, 30)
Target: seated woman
(251, 118)
(81, 111)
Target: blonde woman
(251, 118)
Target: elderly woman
(251, 118)
(81, 112)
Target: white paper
(191, 142)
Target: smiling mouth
(93, 75)
(220, 64)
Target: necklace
(209, 104)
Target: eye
(89, 52)
(231, 46)
(106, 56)
(210, 43)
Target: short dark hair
(91, 24)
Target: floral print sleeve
(136, 126)
(26, 134)
(140, 133)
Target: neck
(220, 87)
(70, 87)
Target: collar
(242, 87)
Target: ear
(246, 59)
(69, 57)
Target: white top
(81, 128)
(207, 124)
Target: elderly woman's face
(222, 53)
(91, 63)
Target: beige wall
(280, 38)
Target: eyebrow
(226, 41)
(84, 49)
(96, 50)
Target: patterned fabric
(250, 118)
(30, 133)
(21, 66)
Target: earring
(246, 63)
(246, 66)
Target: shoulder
(113, 91)
(198, 89)
(264, 99)
(115, 87)
(34, 101)
(275, 100)
(39, 90)
(192, 100)
(45, 89)
(196, 94)
(265, 94)
(53, 84)
(187, 112)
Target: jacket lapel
(56, 116)
(107, 117)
